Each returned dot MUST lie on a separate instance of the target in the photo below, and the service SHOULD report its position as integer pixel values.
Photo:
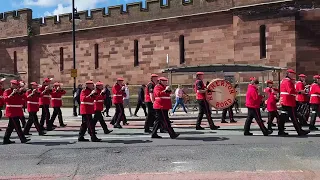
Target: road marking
(178, 162)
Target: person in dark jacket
(141, 101)
(107, 101)
(76, 99)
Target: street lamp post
(75, 19)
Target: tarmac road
(130, 154)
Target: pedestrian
(13, 100)
(179, 93)
(1, 96)
(107, 101)
(315, 102)
(253, 101)
(98, 107)
(126, 99)
(87, 97)
(271, 102)
(56, 103)
(141, 101)
(162, 105)
(204, 108)
(118, 91)
(32, 97)
(76, 99)
(149, 100)
(302, 99)
(288, 105)
(44, 101)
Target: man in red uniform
(204, 108)
(56, 103)
(288, 102)
(98, 107)
(118, 91)
(13, 101)
(315, 102)
(32, 97)
(45, 103)
(253, 101)
(1, 96)
(87, 98)
(302, 99)
(23, 91)
(149, 100)
(162, 105)
(271, 103)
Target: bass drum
(221, 94)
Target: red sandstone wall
(308, 42)
(15, 23)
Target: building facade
(134, 43)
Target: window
(61, 59)
(182, 50)
(96, 56)
(136, 53)
(263, 43)
(15, 63)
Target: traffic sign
(74, 73)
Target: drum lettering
(217, 83)
(232, 91)
(229, 101)
(222, 83)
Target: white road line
(178, 162)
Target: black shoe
(0, 129)
(199, 128)
(117, 126)
(82, 139)
(75, 115)
(214, 127)
(27, 134)
(233, 121)
(42, 133)
(96, 140)
(125, 124)
(135, 115)
(224, 121)
(248, 134)
(63, 125)
(313, 128)
(147, 131)
(54, 126)
(108, 115)
(112, 123)
(25, 140)
(108, 131)
(50, 128)
(273, 125)
(268, 133)
(156, 136)
(175, 136)
(282, 134)
(303, 133)
(8, 142)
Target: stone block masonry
(213, 32)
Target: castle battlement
(118, 15)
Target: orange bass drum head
(222, 94)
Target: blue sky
(53, 7)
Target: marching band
(295, 99)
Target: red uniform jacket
(1, 98)
(303, 96)
(315, 94)
(162, 98)
(13, 104)
(87, 103)
(149, 89)
(198, 85)
(45, 98)
(32, 101)
(272, 100)
(253, 99)
(98, 102)
(118, 94)
(287, 93)
(56, 97)
(24, 98)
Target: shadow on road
(51, 143)
(129, 141)
(203, 138)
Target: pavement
(130, 154)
